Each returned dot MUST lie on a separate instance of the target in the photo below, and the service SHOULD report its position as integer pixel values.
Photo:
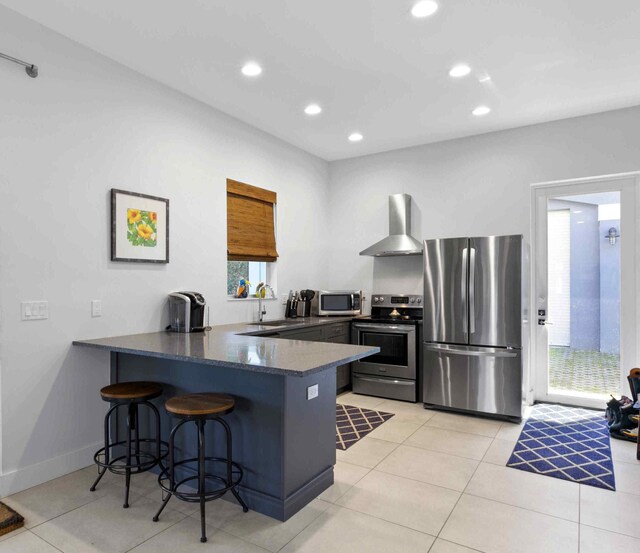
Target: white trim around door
(629, 186)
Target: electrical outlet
(96, 308)
(284, 298)
(34, 310)
(312, 391)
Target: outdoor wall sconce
(612, 235)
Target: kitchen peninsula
(284, 436)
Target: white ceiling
(371, 66)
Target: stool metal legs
(234, 491)
(201, 476)
(131, 421)
(170, 470)
(233, 473)
(106, 447)
(143, 461)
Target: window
(251, 235)
(254, 271)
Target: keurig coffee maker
(186, 311)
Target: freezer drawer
(391, 388)
(486, 380)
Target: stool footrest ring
(210, 495)
(150, 460)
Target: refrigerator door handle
(463, 286)
(472, 292)
(471, 353)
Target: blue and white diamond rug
(567, 443)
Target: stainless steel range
(395, 326)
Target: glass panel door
(583, 295)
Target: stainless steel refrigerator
(473, 317)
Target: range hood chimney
(399, 241)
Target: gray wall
(585, 273)
(84, 126)
(474, 186)
(609, 290)
(585, 277)
(595, 279)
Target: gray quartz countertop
(240, 346)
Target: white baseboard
(30, 476)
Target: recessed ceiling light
(461, 70)
(481, 110)
(251, 69)
(424, 8)
(313, 109)
(355, 137)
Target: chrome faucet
(262, 311)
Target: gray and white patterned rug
(566, 443)
(354, 423)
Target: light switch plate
(34, 310)
(312, 391)
(96, 308)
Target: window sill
(250, 298)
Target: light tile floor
(429, 482)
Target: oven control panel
(396, 300)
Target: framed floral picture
(139, 227)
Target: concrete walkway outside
(584, 371)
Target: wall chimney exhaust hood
(399, 241)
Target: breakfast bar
(284, 420)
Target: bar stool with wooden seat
(136, 458)
(200, 408)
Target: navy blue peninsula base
(283, 434)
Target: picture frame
(139, 227)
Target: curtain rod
(32, 70)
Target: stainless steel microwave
(337, 302)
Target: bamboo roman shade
(250, 223)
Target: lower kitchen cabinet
(343, 378)
(336, 333)
(313, 334)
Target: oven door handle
(385, 380)
(396, 329)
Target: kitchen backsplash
(402, 274)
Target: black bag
(618, 411)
